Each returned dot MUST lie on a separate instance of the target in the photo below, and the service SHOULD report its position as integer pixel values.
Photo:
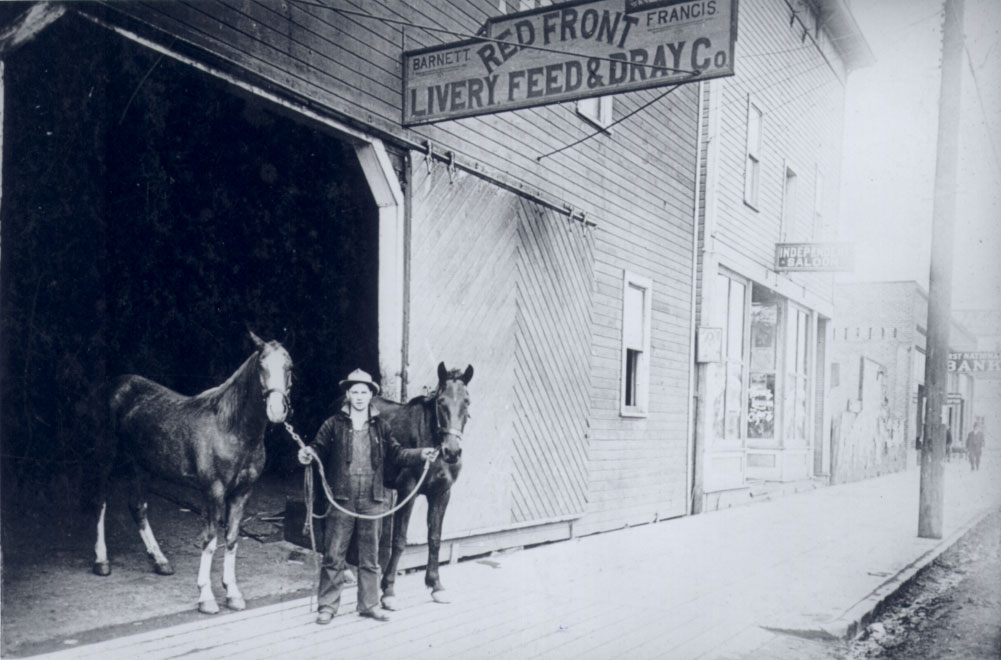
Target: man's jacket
(333, 445)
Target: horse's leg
(101, 564)
(100, 503)
(234, 598)
(437, 504)
(401, 519)
(215, 503)
(139, 509)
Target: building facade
(878, 393)
(771, 143)
(565, 276)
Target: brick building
(879, 343)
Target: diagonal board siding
(463, 260)
(555, 284)
(506, 286)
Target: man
(353, 446)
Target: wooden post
(932, 493)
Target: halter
(441, 430)
(285, 401)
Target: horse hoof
(440, 597)
(102, 568)
(208, 607)
(389, 603)
(163, 569)
(236, 603)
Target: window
(728, 314)
(752, 165)
(636, 295)
(788, 205)
(762, 376)
(820, 229)
(597, 110)
(796, 386)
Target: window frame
(752, 155)
(642, 367)
(790, 196)
(602, 113)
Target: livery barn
(198, 167)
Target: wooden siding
(494, 277)
(463, 294)
(802, 101)
(555, 284)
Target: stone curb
(855, 619)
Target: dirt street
(951, 611)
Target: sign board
(814, 256)
(975, 361)
(568, 51)
(709, 345)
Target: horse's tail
(102, 460)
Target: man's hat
(359, 376)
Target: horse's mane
(223, 399)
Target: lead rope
(308, 494)
(330, 495)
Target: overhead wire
(480, 37)
(809, 68)
(983, 110)
(614, 123)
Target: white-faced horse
(213, 441)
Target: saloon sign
(975, 361)
(570, 51)
(813, 256)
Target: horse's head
(451, 402)
(274, 368)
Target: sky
(891, 127)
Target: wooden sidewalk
(708, 586)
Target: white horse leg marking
(153, 548)
(100, 548)
(101, 565)
(234, 597)
(206, 600)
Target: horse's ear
(442, 374)
(257, 340)
(467, 375)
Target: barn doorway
(150, 217)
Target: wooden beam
(27, 25)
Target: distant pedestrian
(948, 443)
(975, 445)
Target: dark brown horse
(213, 442)
(435, 420)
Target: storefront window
(796, 387)
(761, 386)
(729, 316)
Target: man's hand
(307, 454)
(429, 454)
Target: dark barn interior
(150, 217)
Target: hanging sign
(975, 361)
(570, 51)
(814, 256)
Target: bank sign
(814, 256)
(570, 51)
(975, 361)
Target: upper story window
(788, 204)
(637, 292)
(597, 110)
(820, 228)
(752, 164)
